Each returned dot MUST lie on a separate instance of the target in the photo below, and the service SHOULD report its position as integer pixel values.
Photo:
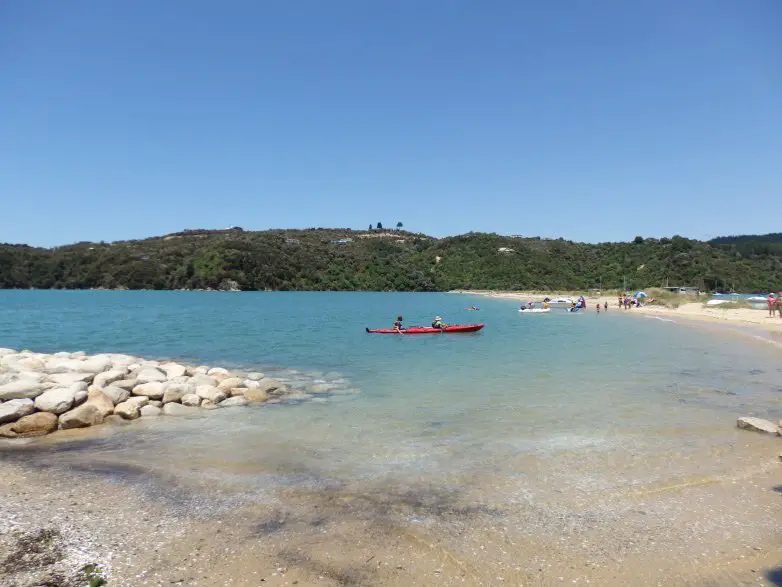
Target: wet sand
(155, 526)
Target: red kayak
(429, 329)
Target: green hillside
(315, 259)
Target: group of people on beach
(626, 302)
(774, 304)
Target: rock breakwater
(43, 393)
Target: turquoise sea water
(524, 381)
(598, 404)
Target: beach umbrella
(640, 294)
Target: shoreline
(740, 317)
(143, 524)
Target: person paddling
(398, 323)
(438, 323)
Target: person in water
(605, 306)
(398, 323)
(438, 322)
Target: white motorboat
(534, 310)
(561, 302)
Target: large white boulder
(230, 383)
(36, 424)
(213, 394)
(128, 384)
(149, 374)
(175, 409)
(180, 379)
(757, 425)
(79, 396)
(81, 417)
(173, 370)
(109, 377)
(116, 394)
(67, 379)
(203, 380)
(9, 376)
(153, 389)
(176, 391)
(255, 376)
(22, 362)
(150, 411)
(217, 371)
(56, 401)
(78, 386)
(191, 400)
(5, 352)
(233, 402)
(100, 400)
(14, 409)
(21, 389)
(130, 409)
(270, 385)
(94, 365)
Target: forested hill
(751, 244)
(341, 259)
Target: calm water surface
(594, 402)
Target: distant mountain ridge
(390, 260)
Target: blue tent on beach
(640, 294)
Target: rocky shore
(43, 393)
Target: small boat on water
(561, 302)
(534, 310)
(453, 329)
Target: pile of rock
(41, 393)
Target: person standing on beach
(605, 306)
(772, 302)
(598, 307)
(778, 303)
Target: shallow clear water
(611, 396)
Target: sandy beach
(748, 317)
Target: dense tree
(399, 225)
(315, 260)
(380, 226)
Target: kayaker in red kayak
(438, 323)
(398, 323)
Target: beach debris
(757, 425)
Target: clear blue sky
(593, 120)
